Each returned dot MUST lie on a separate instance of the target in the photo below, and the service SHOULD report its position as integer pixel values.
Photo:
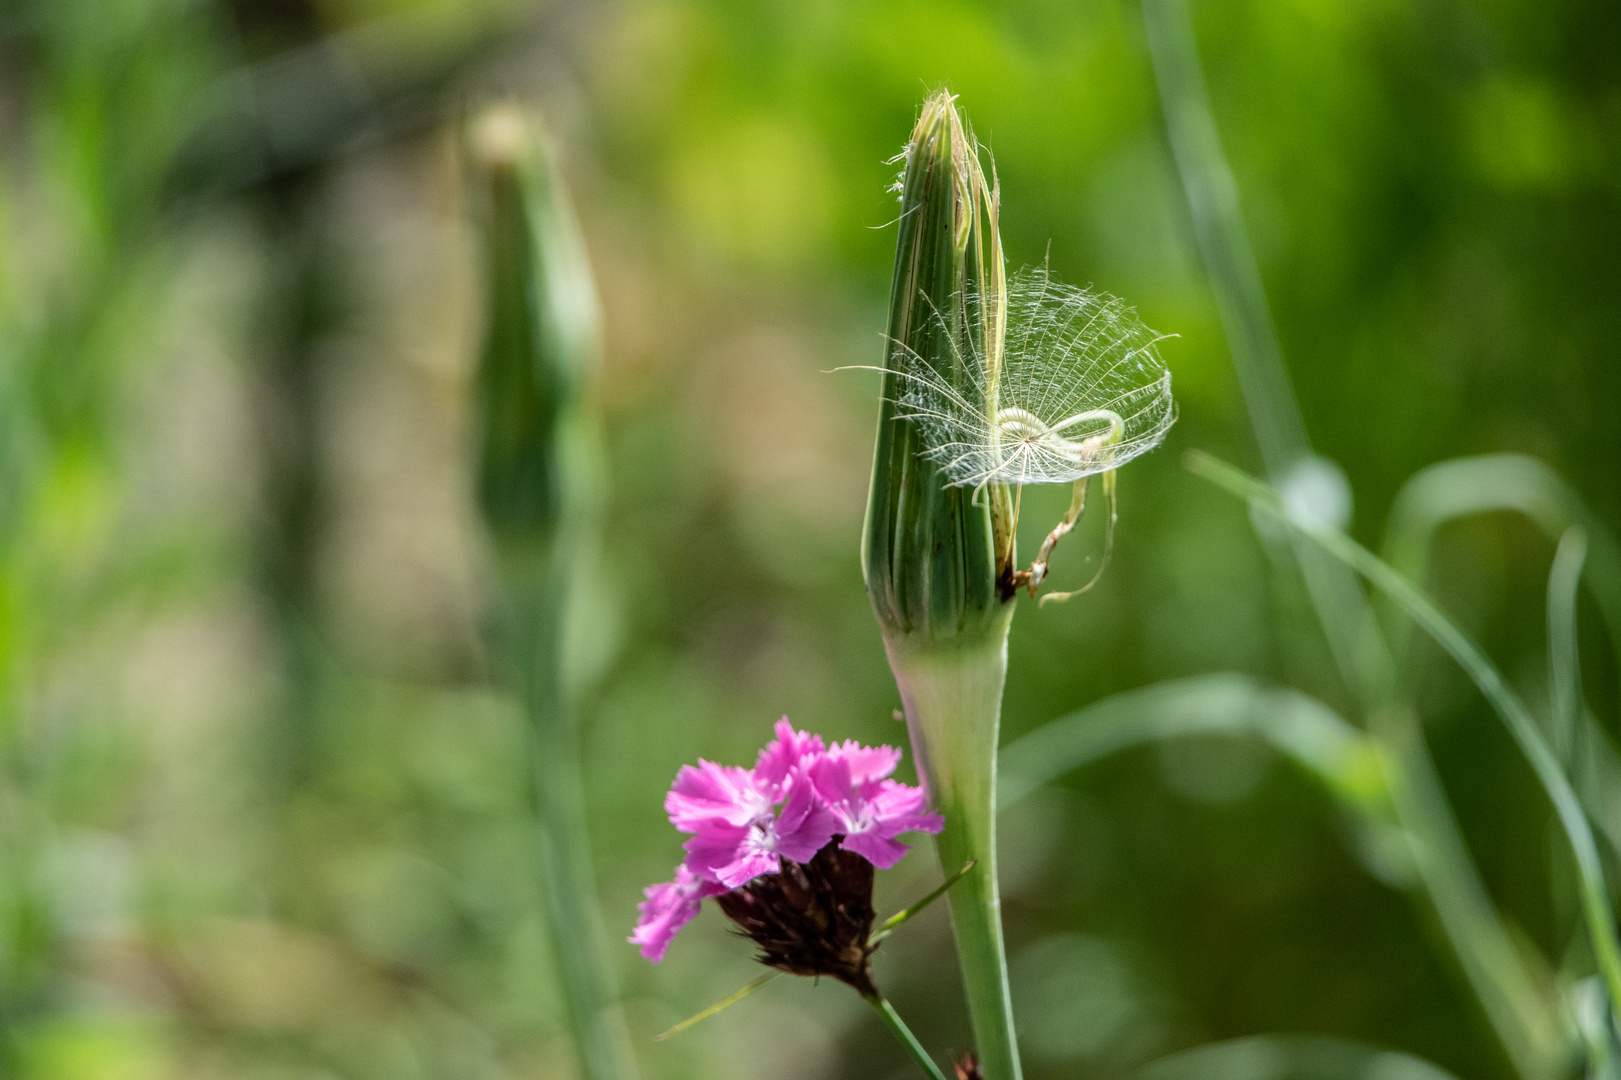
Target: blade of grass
(1564, 664)
(1302, 728)
(1506, 987)
(1582, 746)
(1218, 225)
(1463, 487)
(1597, 776)
(1518, 719)
(1366, 774)
(1449, 490)
(1235, 279)
(1291, 1057)
(1592, 1014)
(1352, 767)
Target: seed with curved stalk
(1032, 438)
(1077, 388)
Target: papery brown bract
(967, 1067)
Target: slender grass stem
(1218, 224)
(897, 1027)
(1491, 483)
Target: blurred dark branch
(292, 111)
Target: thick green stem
(892, 1020)
(953, 700)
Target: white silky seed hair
(1082, 390)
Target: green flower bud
(540, 344)
(938, 559)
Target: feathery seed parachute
(1079, 389)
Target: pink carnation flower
(745, 822)
(870, 809)
(670, 906)
(739, 833)
(788, 749)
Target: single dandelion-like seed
(1075, 388)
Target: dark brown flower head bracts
(811, 918)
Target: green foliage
(260, 814)
(1515, 713)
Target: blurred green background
(262, 814)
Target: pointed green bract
(722, 1005)
(938, 560)
(907, 913)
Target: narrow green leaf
(904, 914)
(721, 1005)
(1597, 776)
(1353, 768)
(1302, 728)
(1530, 1033)
(1490, 483)
(1592, 1013)
(1218, 225)
(897, 1027)
(1463, 487)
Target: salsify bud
(938, 559)
(812, 918)
(537, 452)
